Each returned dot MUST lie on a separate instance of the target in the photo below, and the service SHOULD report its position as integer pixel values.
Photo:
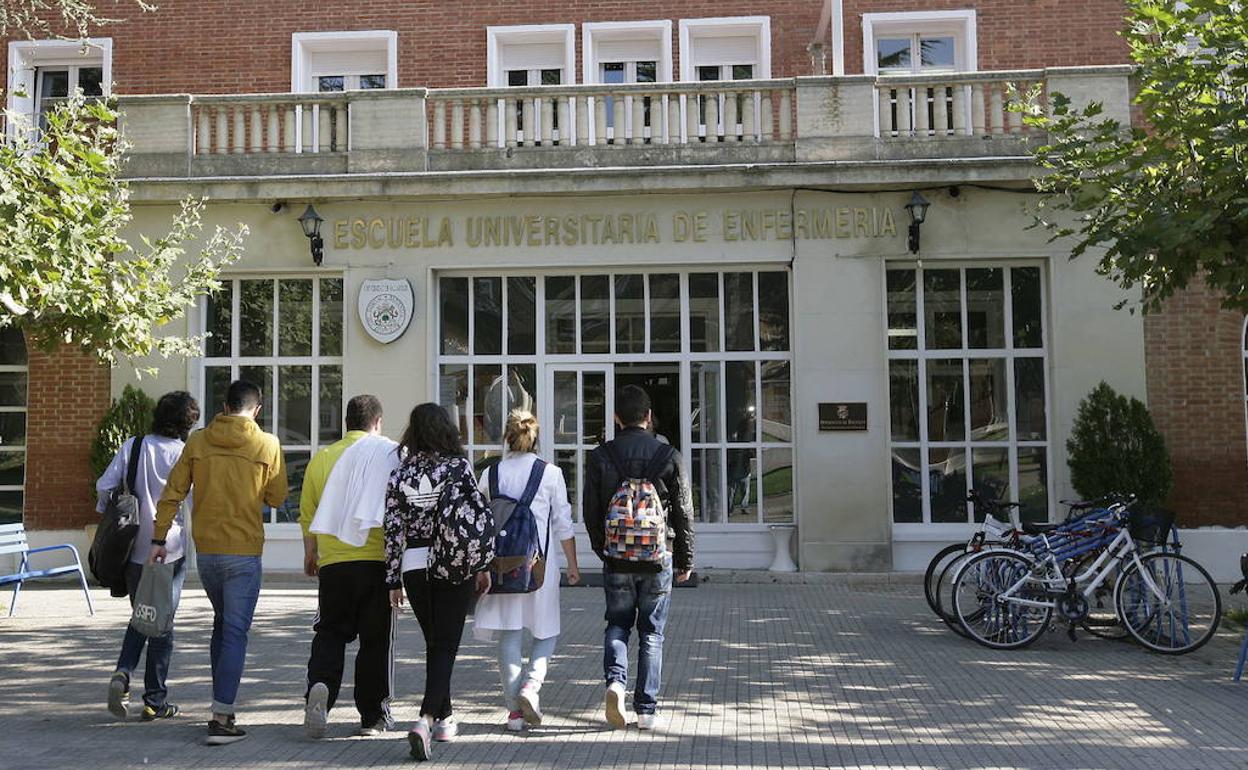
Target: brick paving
(836, 674)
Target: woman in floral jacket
(439, 542)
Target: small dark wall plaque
(850, 415)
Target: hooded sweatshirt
(235, 467)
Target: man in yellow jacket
(234, 468)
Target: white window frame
(27, 56)
(692, 30)
(23, 408)
(304, 45)
(497, 38)
(592, 33)
(960, 24)
(928, 529)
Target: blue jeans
(233, 586)
(641, 599)
(511, 663)
(159, 648)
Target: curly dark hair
(176, 412)
(430, 430)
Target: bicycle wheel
(935, 568)
(944, 592)
(1168, 603)
(1102, 617)
(989, 620)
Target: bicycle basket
(1150, 525)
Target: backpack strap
(535, 482)
(132, 465)
(493, 472)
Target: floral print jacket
(435, 499)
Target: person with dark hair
(235, 468)
(341, 509)
(637, 508)
(158, 452)
(439, 537)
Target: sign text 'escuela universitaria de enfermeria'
(541, 230)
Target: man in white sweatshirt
(343, 548)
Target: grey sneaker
(420, 741)
(119, 695)
(316, 712)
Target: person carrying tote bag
(510, 616)
(439, 541)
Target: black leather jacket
(636, 447)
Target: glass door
(578, 416)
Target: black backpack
(114, 537)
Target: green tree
(1115, 447)
(130, 415)
(67, 275)
(1167, 200)
(45, 18)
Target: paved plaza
(842, 673)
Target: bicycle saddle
(1030, 528)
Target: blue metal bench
(13, 540)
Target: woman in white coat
(510, 617)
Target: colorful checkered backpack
(636, 524)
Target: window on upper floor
(919, 42)
(624, 52)
(343, 61)
(531, 55)
(728, 48)
(45, 72)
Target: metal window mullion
(472, 316)
(921, 350)
(758, 430)
(966, 420)
(539, 294)
(721, 451)
(758, 342)
(504, 343)
(471, 405)
(576, 314)
(645, 310)
(611, 321)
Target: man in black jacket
(638, 592)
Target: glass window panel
(613, 72)
(566, 402)
(263, 377)
(294, 407)
(330, 424)
(1025, 296)
(740, 401)
(990, 474)
(704, 395)
(91, 81)
(55, 84)
(907, 486)
(453, 395)
(12, 469)
(296, 466)
(219, 321)
(327, 83)
(647, 72)
(12, 388)
(942, 309)
(1029, 408)
(294, 317)
(892, 53)
(630, 314)
(903, 328)
(453, 295)
(777, 402)
(12, 347)
(10, 506)
(255, 322)
(566, 460)
(487, 303)
(704, 312)
(517, 77)
(216, 382)
(903, 400)
(773, 311)
(946, 480)
(709, 72)
(664, 314)
(1033, 483)
(739, 311)
(595, 314)
(936, 53)
(742, 71)
(488, 419)
(704, 478)
(522, 315)
(594, 407)
(985, 308)
(331, 317)
(777, 486)
(989, 400)
(522, 388)
(552, 77)
(368, 82)
(742, 486)
(946, 402)
(560, 314)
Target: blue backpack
(519, 565)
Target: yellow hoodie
(234, 467)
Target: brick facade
(1194, 350)
(68, 393)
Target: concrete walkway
(756, 676)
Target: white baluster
(564, 110)
(527, 118)
(765, 117)
(439, 125)
(474, 125)
(749, 131)
(255, 129)
(730, 116)
(940, 112)
(221, 137)
(905, 121)
(693, 117)
(994, 108)
(786, 115)
(509, 121)
(671, 134)
(712, 118)
(203, 131)
(457, 124)
(600, 120)
(959, 109)
(885, 126)
(547, 113)
(584, 104)
(637, 132)
(491, 123)
(979, 116)
(922, 112)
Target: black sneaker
(119, 695)
(222, 734)
(151, 713)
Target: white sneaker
(530, 705)
(515, 722)
(316, 713)
(445, 729)
(613, 701)
(648, 722)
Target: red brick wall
(240, 46)
(1195, 360)
(67, 395)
